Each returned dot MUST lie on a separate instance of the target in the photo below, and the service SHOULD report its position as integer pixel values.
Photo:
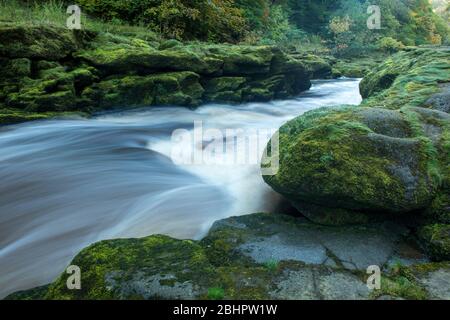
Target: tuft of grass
(54, 13)
(272, 265)
(216, 293)
(401, 283)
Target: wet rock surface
(259, 256)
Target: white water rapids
(65, 184)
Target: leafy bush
(390, 45)
(214, 20)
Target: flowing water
(65, 184)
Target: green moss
(37, 293)
(36, 42)
(15, 68)
(216, 293)
(356, 68)
(177, 88)
(358, 173)
(402, 287)
(439, 210)
(108, 268)
(407, 281)
(11, 116)
(436, 239)
(272, 265)
(318, 67)
(407, 79)
(401, 282)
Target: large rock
(388, 156)
(176, 88)
(153, 267)
(358, 160)
(36, 42)
(436, 239)
(408, 78)
(260, 256)
(45, 69)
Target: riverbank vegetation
(339, 27)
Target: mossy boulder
(121, 55)
(15, 68)
(48, 69)
(436, 239)
(224, 89)
(319, 67)
(357, 67)
(152, 267)
(176, 88)
(258, 256)
(56, 89)
(359, 159)
(36, 42)
(387, 156)
(408, 78)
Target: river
(68, 183)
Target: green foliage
(216, 20)
(272, 265)
(216, 293)
(289, 23)
(390, 45)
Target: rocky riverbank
(260, 256)
(388, 157)
(372, 181)
(50, 71)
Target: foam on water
(66, 184)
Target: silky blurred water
(68, 183)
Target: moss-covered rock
(15, 68)
(153, 267)
(390, 155)
(56, 89)
(436, 239)
(36, 42)
(224, 89)
(355, 159)
(176, 88)
(357, 67)
(259, 256)
(47, 69)
(317, 66)
(408, 78)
